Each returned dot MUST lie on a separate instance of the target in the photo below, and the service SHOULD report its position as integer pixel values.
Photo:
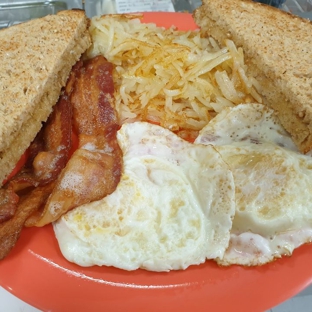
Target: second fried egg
(273, 183)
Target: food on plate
(136, 193)
(10, 230)
(246, 123)
(28, 190)
(94, 169)
(55, 179)
(137, 52)
(278, 50)
(41, 101)
(273, 184)
(172, 208)
(177, 79)
(37, 58)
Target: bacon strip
(94, 169)
(10, 230)
(47, 164)
(8, 204)
(44, 189)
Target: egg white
(172, 208)
(273, 183)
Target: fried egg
(172, 208)
(273, 184)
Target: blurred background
(13, 12)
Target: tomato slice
(18, 167)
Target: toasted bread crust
(37, 57)
(278, 52)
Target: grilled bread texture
(278, 52)
(36, 60)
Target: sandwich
(278, 51)
(34, 69)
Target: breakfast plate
(36, 272)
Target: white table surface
(301, 303)
(9, 303)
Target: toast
(36, 59)
(278, 53)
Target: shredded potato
(174, 78)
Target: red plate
(36, 272)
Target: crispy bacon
(8, 204)
(48, 163)
(94, 169)
(11, 229)
(43, 190)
